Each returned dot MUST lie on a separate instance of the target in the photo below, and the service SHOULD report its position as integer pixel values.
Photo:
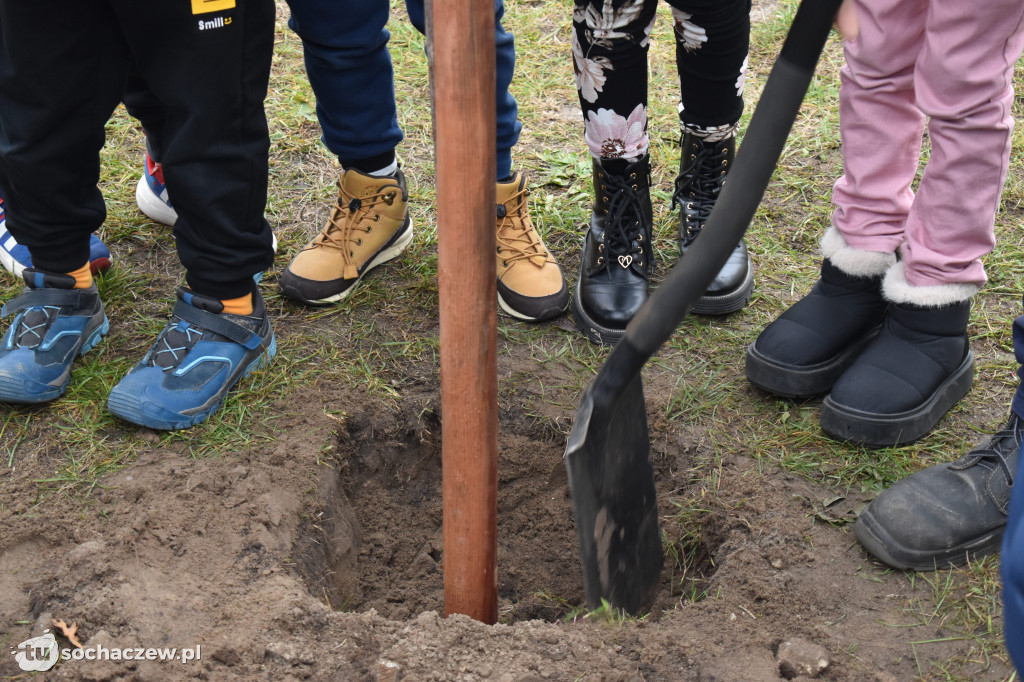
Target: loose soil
(318, 556)
(317, 553)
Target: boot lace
(174, 344)
(34, 325)
(698, 187)
(999, 449)
(517, 238)
(351, 218)
(623, 225)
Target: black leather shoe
(805, 350)
(905, 379)
(617, 256)
(948, 513)
(703, 168)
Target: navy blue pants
(64, 66)
(1012, 561)
(349, 67)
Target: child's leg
(712, 39)
(609, 48)
(349, 67)
(53, 108)
(509, 125)
(880, 124)
(963, 83)
(210, 70)
(1012, 568)
(62, 68)
(209, 65)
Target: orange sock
(83, 277)
(238, 306)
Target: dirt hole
(374, 538)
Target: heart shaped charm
(625, 261)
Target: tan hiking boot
(530, 284)
(369, 226)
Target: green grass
(387, 331)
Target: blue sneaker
(15, 257)
(53, 324)
(198, 357)
(151, 194)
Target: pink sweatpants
(947, 64)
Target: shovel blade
(612, 485)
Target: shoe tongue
(210, 305)
(361, 185)
(39, 279)
(36, 321)
(615, 166)
(506, 190)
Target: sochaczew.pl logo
(37, 654)
(41, 653)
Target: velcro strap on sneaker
(35, 298)
(218, 324)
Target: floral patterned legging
(610, 41)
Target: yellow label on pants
(204, 6)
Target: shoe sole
(799, 382)
(889, 430)
(882, 546)
(129, 408)
(13, 391)
(724, 304)
(545, 314)
(382, 257)
(591, 329)
(152, 205)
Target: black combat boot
(703, 168)
(949, 513)
(617, 256)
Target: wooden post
(461, 46)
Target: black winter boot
(948, 513)
(804, 351)
(617, 255)
(908, 376)
(702, 170)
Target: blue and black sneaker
(198, 357)
(53, 324)
(15, 257)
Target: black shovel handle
(738, 201)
